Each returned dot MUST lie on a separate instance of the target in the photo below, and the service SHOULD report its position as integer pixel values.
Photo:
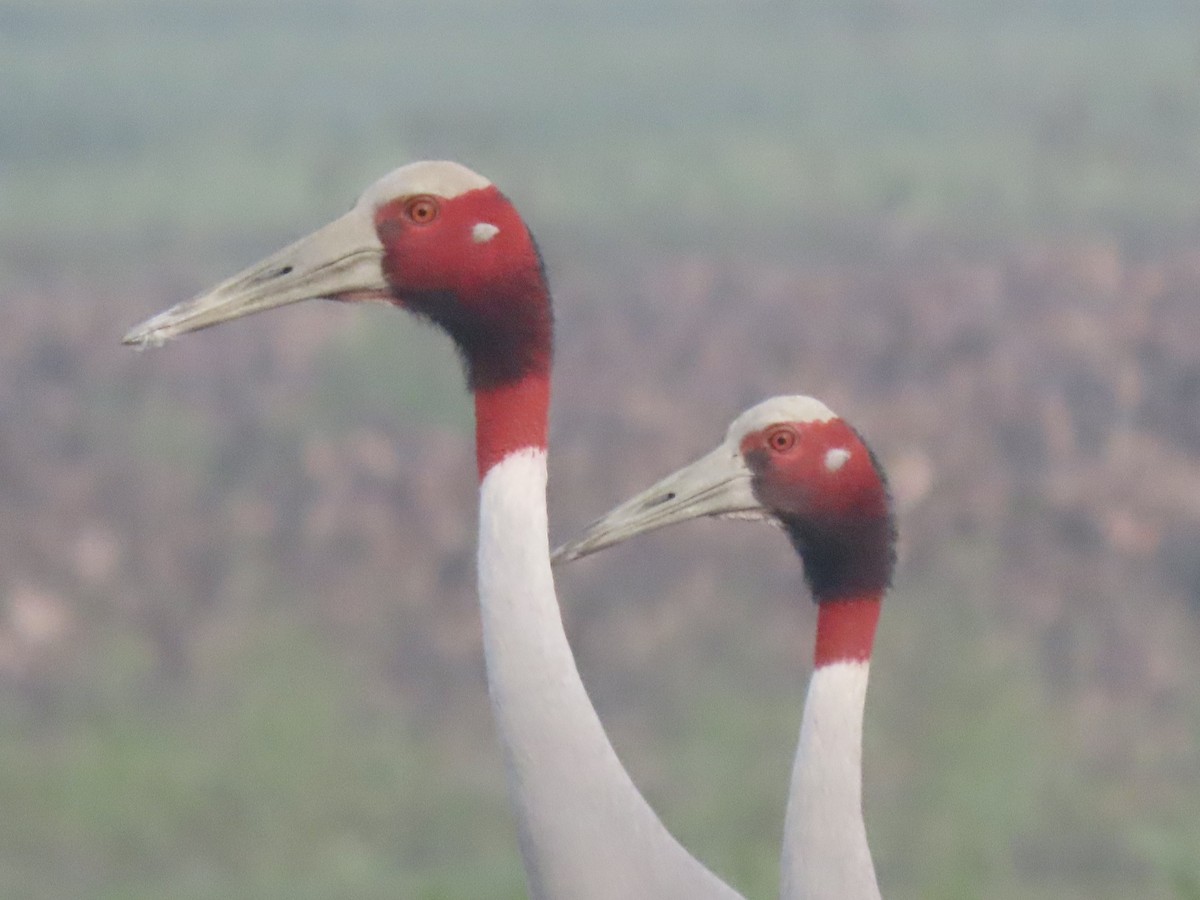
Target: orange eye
(781, 439)
(421, 210)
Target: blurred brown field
(239, 649)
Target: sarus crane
(790, 460)
(441, 241)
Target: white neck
(825, 852)
(585, 830)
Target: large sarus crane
(792, 461)
(441, 241)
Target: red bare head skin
(826, 488)
(795, 475)
(469, 264)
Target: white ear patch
(484, 232)
(836, 458)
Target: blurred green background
(239, 653)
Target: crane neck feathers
(844, 557)
(511, 417)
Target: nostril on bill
(272, 274)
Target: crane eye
(781, 439)
(421, 210)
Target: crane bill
(341, 261)
(718, 484)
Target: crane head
(433, 237)
(789, 460)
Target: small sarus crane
(790, 460)
(441, 241)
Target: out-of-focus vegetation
(238, 641)
(175, 121)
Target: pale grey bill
(718, 484)
(342, 260)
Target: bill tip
(142, 338)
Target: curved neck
(585, 830)
(825, 850)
